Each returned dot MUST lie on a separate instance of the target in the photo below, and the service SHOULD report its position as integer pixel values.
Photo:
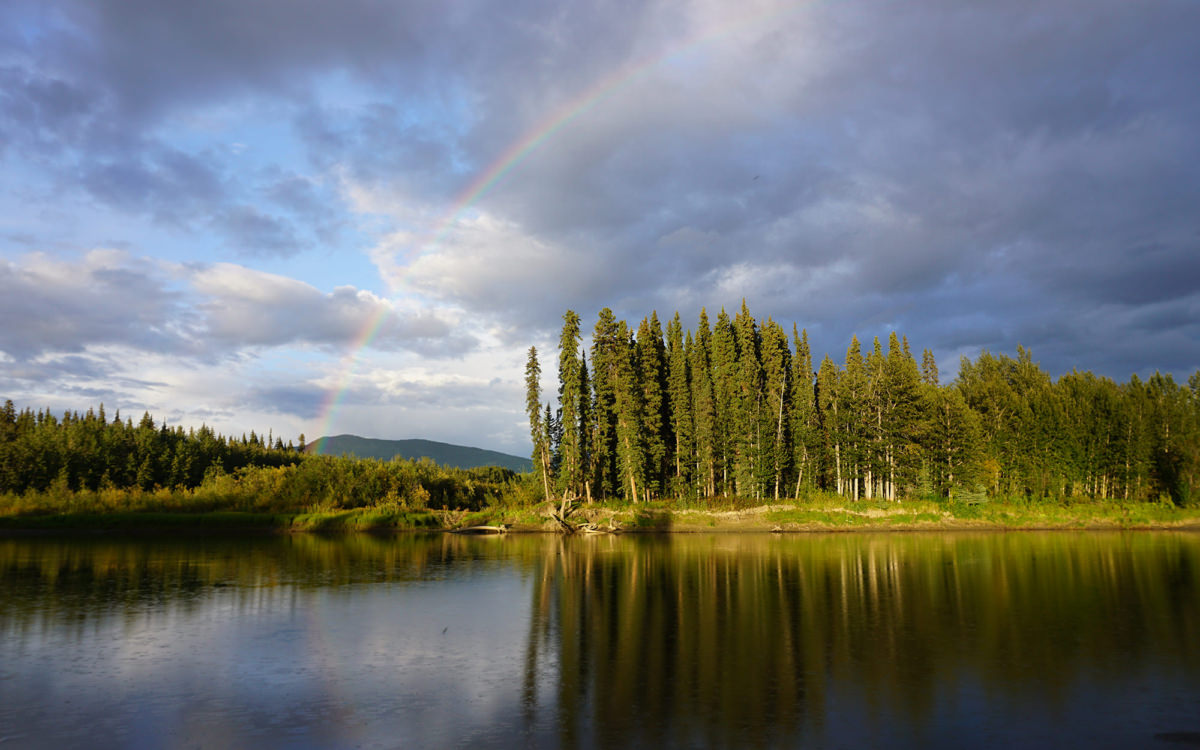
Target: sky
(307, 217)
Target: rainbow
(599, 92)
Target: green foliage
(538, 430)
(570, 404)
(681, 423)
(39, 452)
(735, 411)
(84, 465)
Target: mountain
(446, 454)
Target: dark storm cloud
(89, 91)
(152, 57)
(973, 175)
(95, 92)
(980, 175)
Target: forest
(736, 408)
(732, 411)
(85, 462)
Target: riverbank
(817, 515)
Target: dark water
(851, 640)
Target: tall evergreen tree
(570, 396)
(854, 417)
(776, 366)
(628, 410)
(929, 370)
(587, 460)
(607, 346)
(750, 462)
(802, 410)
(723, 365)
(650, 371)
(829, 381)
(902, 405)
(704, 409)
(874, 407)
(679, 396)
(537, 430)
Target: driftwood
(565, 508)
(501, 529)
(592, 528)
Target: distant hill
(446, 454)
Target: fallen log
(591, 528)
(501, 529)
(564, 510)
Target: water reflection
(902, 640)
(896, 639)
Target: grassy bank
(833, 513)
(206, 511)
(356, 520)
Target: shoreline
(654, 519)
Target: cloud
(965, 170)
(970, 176)
(253, 231)
(244, 307)
(107, 297)
(200, 311)
(303, 400)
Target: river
(723, 640)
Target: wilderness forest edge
(732, 411)
(737, 409)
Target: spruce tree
(704, 408)
(723, 365)
(533, 409)
(873, 407)
(828, 408)
(587, 460)
(606, 348)
(854, 414)
(570, 395)
(650, 371)
(802, 412)
(628, 407)
(929, 370)
(902, 418)
(777, 365)
(679, 396)
(750, 461)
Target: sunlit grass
(268, 502)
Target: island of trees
(736, 407)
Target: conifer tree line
(89, 452)
(41, 453)
(735, 407)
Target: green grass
(235, 508)
(363, 519)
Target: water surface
(838, 640)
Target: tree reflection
(755, 641)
